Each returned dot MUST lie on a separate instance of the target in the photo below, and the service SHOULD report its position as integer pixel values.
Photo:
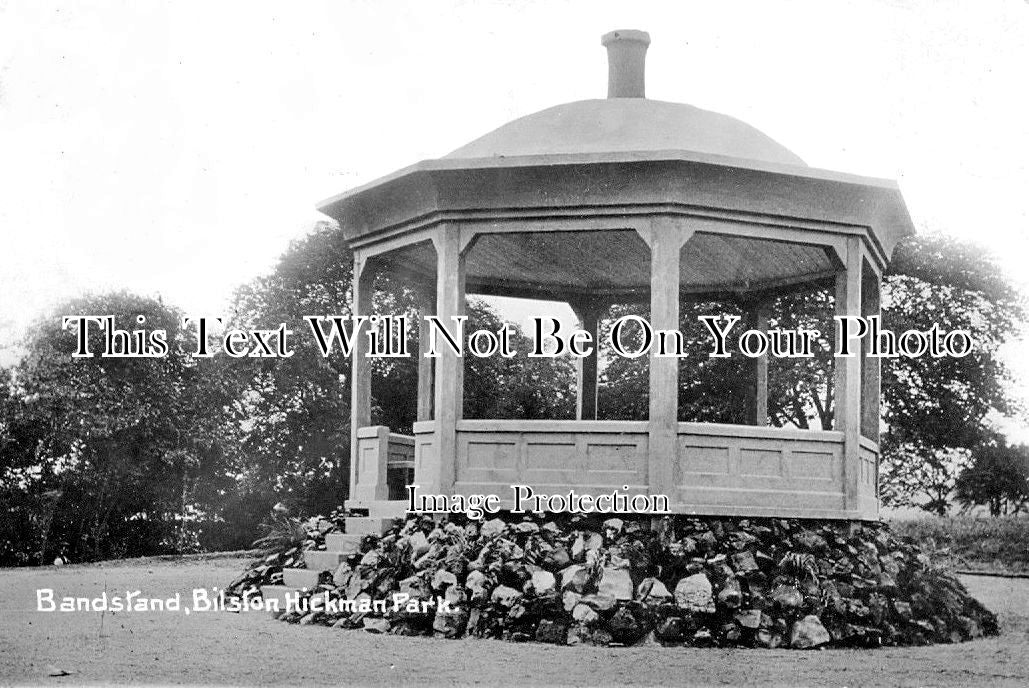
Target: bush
(976, 543)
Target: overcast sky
(176, 148)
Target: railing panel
(750, 470)
(717, 469)
(589, 456)
(868, 483)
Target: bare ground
(251, 649)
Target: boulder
(616, 583)
(672, 629)
(787, 597)
(768, 638)
(575, 578)
(601, 603)
(629, 625)
(553, 632)
(744, 563)
(652, 591)
(808, 633)
(749, 619)
(505, 596)
(478, 585)
(492, 528)
(585, 614)
(730, 596)
(543, 582)
(694, 594)
(443, 579)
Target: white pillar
(847, 374)
(425, 365)
(449, 382)
(666, 237)
(870, 371)
(588, 314)
(363, 487)
(757, 387)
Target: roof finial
(626, 62)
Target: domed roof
(626, 124)
(590, 164)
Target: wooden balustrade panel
(718, 469)
(868, 490)
(591, 457)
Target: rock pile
(691, 581)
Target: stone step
(276, 595)
(298, 579)
(381, 508)
(346, 543)
(327, 560)
(388, 509)
(364, 525)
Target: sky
(175, 148)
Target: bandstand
(625, 200)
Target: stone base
(680, 581)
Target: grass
(978, 543)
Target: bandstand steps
(338, 547)
(298, 579)
(342, 543)
(382, 508)
(277, 593)
(368, 525)
(328, 559)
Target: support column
(666, 237)
(449, 382)
(425, 365)
(847, 375)
(588, 314)
(870, 370)
(871, 383)
(757, 387)
(362, 486)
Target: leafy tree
(106, 456)
(516, 387)
(710, 389)
(800, 390)
(289, 420)
(714, 390)
(998, 478)
(934, 407)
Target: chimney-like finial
(626, 62)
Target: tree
(289, 419)
(516, 387)
(998, 477)
(710, 389)
(105, 456)
(934, 407)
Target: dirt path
(249, 648)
